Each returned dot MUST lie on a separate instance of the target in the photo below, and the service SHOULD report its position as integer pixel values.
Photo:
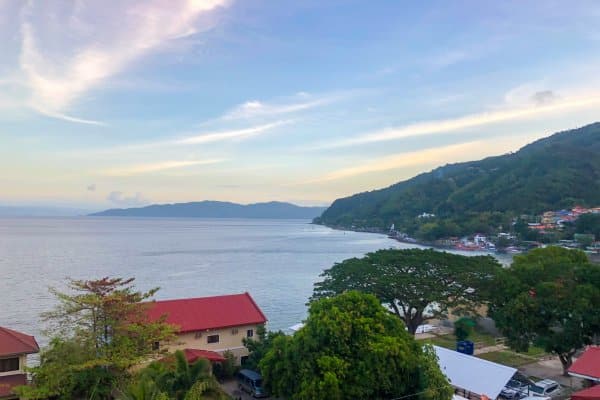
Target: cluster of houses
(555, 220)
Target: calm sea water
(276, 261)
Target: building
(587, 366)
(209, 325)
(14, 348)
(473, 377)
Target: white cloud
(229, 135)
(139, 169)
(469, 121)
(301, 102)
(116, 37)
(121, 199)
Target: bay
(276, 261)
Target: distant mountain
(217, 209)
(481, 196)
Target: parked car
(251, 382)
(515, 390)
(545, 388)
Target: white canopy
(473, 374)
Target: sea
(276, 261)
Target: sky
(305, 101)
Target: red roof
(7, 383)
(591, 393)
(588, 365)
(192, 355)
(204, 313)
(13, 342)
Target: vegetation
(258, 348)
(352, 348)
(548, 297)
(483, 196)
(417, 285)
(99, 331)
(463, 328)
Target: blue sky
(169, 101)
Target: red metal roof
(13, 342)
(192, 355)
(591, 393)
(204, 313)
(7, 383)
(588, 365)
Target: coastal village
(548, 224)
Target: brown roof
(7, 383)
(13, 342)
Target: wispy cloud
(157, 167)
(121, 199)
(57, 77)
(229, 135)
(468, 121)
(403, 160)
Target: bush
(463, 328)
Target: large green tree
(549, 297)
(99, 330)
(352, 348)
(415, 284)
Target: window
(9, 364)
(212, 339)
(198, 335)
(155, 346)
(249, 333)
(234, 331)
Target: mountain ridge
(558, 171)
(216, 209)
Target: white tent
(473, 374)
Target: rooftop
(13, 343)
(205, 313)
(588, 365)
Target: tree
(549, 297)
(463, 328)
(417, 285)
(99, 331)
(588, 223)
(258, 348)
(352, 348)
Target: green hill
(483, 196)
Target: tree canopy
(549, 297)
(352, 348)
(99, 330)
(415, 284)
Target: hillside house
(14, 348)
(210, 326)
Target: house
(587, 366)
(14, 348)
(473, 377)
(210, 325)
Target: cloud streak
(58, 77)
(465, 122)
(403, 160)
(229, 135)
(140, 169)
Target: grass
(506, 357)
(449, 340)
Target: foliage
(99, 331)
(463, 328)
(258, 348)
(352, 348)
(548, 297)
(227, 368)
(462, 196)
(416, 284)
(588, 224)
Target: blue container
(465, 347)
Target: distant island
(217, 209)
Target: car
(515, 390)
(251, 382)
(545, 388)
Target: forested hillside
(483, 196)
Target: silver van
(251, 382)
